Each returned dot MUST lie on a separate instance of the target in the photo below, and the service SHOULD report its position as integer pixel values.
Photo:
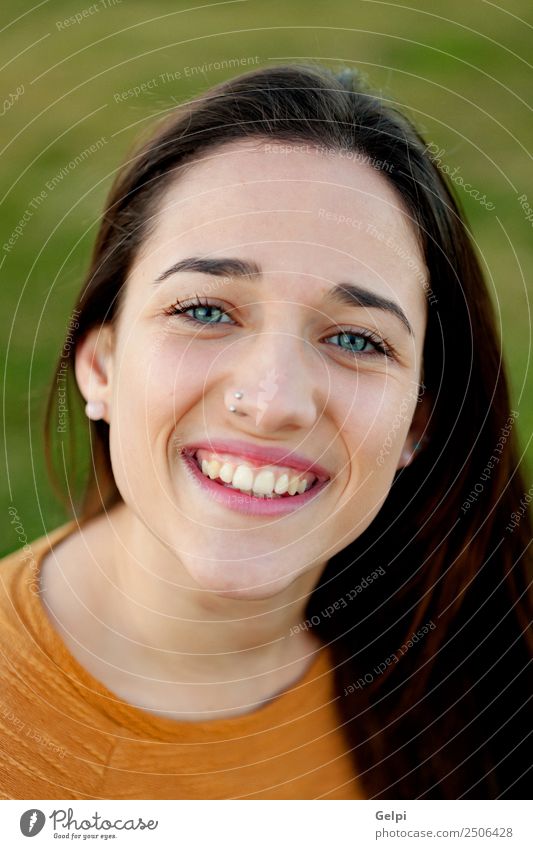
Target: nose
(280, 379)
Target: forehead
(291, 208)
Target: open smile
(270, 491)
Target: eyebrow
(347, 294)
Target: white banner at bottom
(267, 824)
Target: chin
(240, 583)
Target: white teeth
(293, 486)
(282, 484)
(213, 469)
(243, 478)
(226, 472)
(264, 483)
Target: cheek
(375, 421)
(376, 424)
(158, 379)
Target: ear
(417, 436)
(94, 366)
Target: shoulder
(50, 719)
(20, 585)
(24, 563)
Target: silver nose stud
(238, 396)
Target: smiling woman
(274, 584)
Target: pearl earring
(94, 410)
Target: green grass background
(458, 69)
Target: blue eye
(362, 342)
(203, 309)
(204, 313)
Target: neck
(165, 627)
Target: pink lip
(260, 455)
(241, 501)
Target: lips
(256, 456)
(260, 455)
(243, 502)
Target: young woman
(299, 568)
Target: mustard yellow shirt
(64, 735)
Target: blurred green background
(458, 69)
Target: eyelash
(383, 348)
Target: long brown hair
(426, 612)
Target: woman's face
(307, 222)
